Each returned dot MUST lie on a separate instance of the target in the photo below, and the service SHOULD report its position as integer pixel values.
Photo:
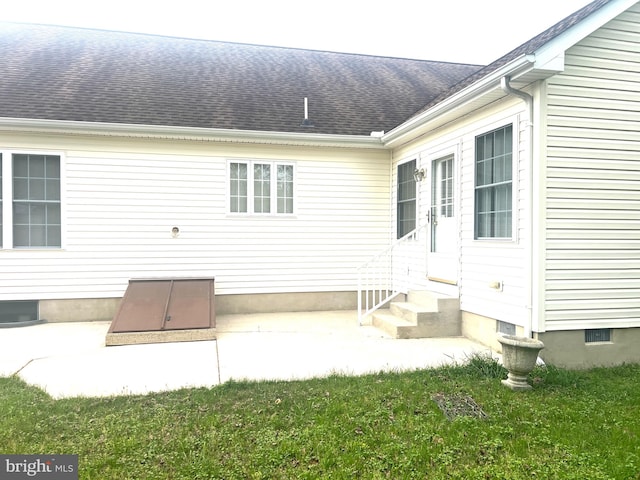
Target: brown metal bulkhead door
(190, 305)
(166, 304)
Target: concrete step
(425, 315)
(389, 323)
(411, 312)
(433, 301)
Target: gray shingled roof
(64, 73)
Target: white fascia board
(188, 133)
(581, 30)
(514, 69)
(547, 60)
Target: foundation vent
(506, 328)
(597, 335)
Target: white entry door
(443, 246)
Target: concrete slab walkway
(70, 359)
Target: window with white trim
(261, 187)
(406, 201)
(30, 204)
(493, 213)
(1, 207)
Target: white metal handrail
(388, 273)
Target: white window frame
(7, 200)
(397, 199)
(273, 193)
(515, 155)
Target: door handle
(431, 216)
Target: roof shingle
(65, 73)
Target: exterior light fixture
(419, 174)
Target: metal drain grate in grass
(457, 405)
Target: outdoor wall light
(419, 174)
(175, 231)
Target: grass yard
(450, 422)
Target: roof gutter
(514, 69)
(188, 133)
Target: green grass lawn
(451, 422)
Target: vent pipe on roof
(306, 122)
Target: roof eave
(584, 28)
(188, 133)
(416, 125)
(546, 61)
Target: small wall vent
(506, 328)
(596, 335)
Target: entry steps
(423, 314)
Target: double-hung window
(406, 208)
(32, 214)
(261, 187)
(494, 184)
(1, 200)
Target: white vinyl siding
(592, 275)
(123, 197)
(488, 260)
(481, 261)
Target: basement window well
(19, 313)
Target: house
(512, 188)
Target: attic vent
(306, 122)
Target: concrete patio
(70, 359)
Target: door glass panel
(442, 202)
(446, 188)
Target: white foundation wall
(122, 197)
(480, 262)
